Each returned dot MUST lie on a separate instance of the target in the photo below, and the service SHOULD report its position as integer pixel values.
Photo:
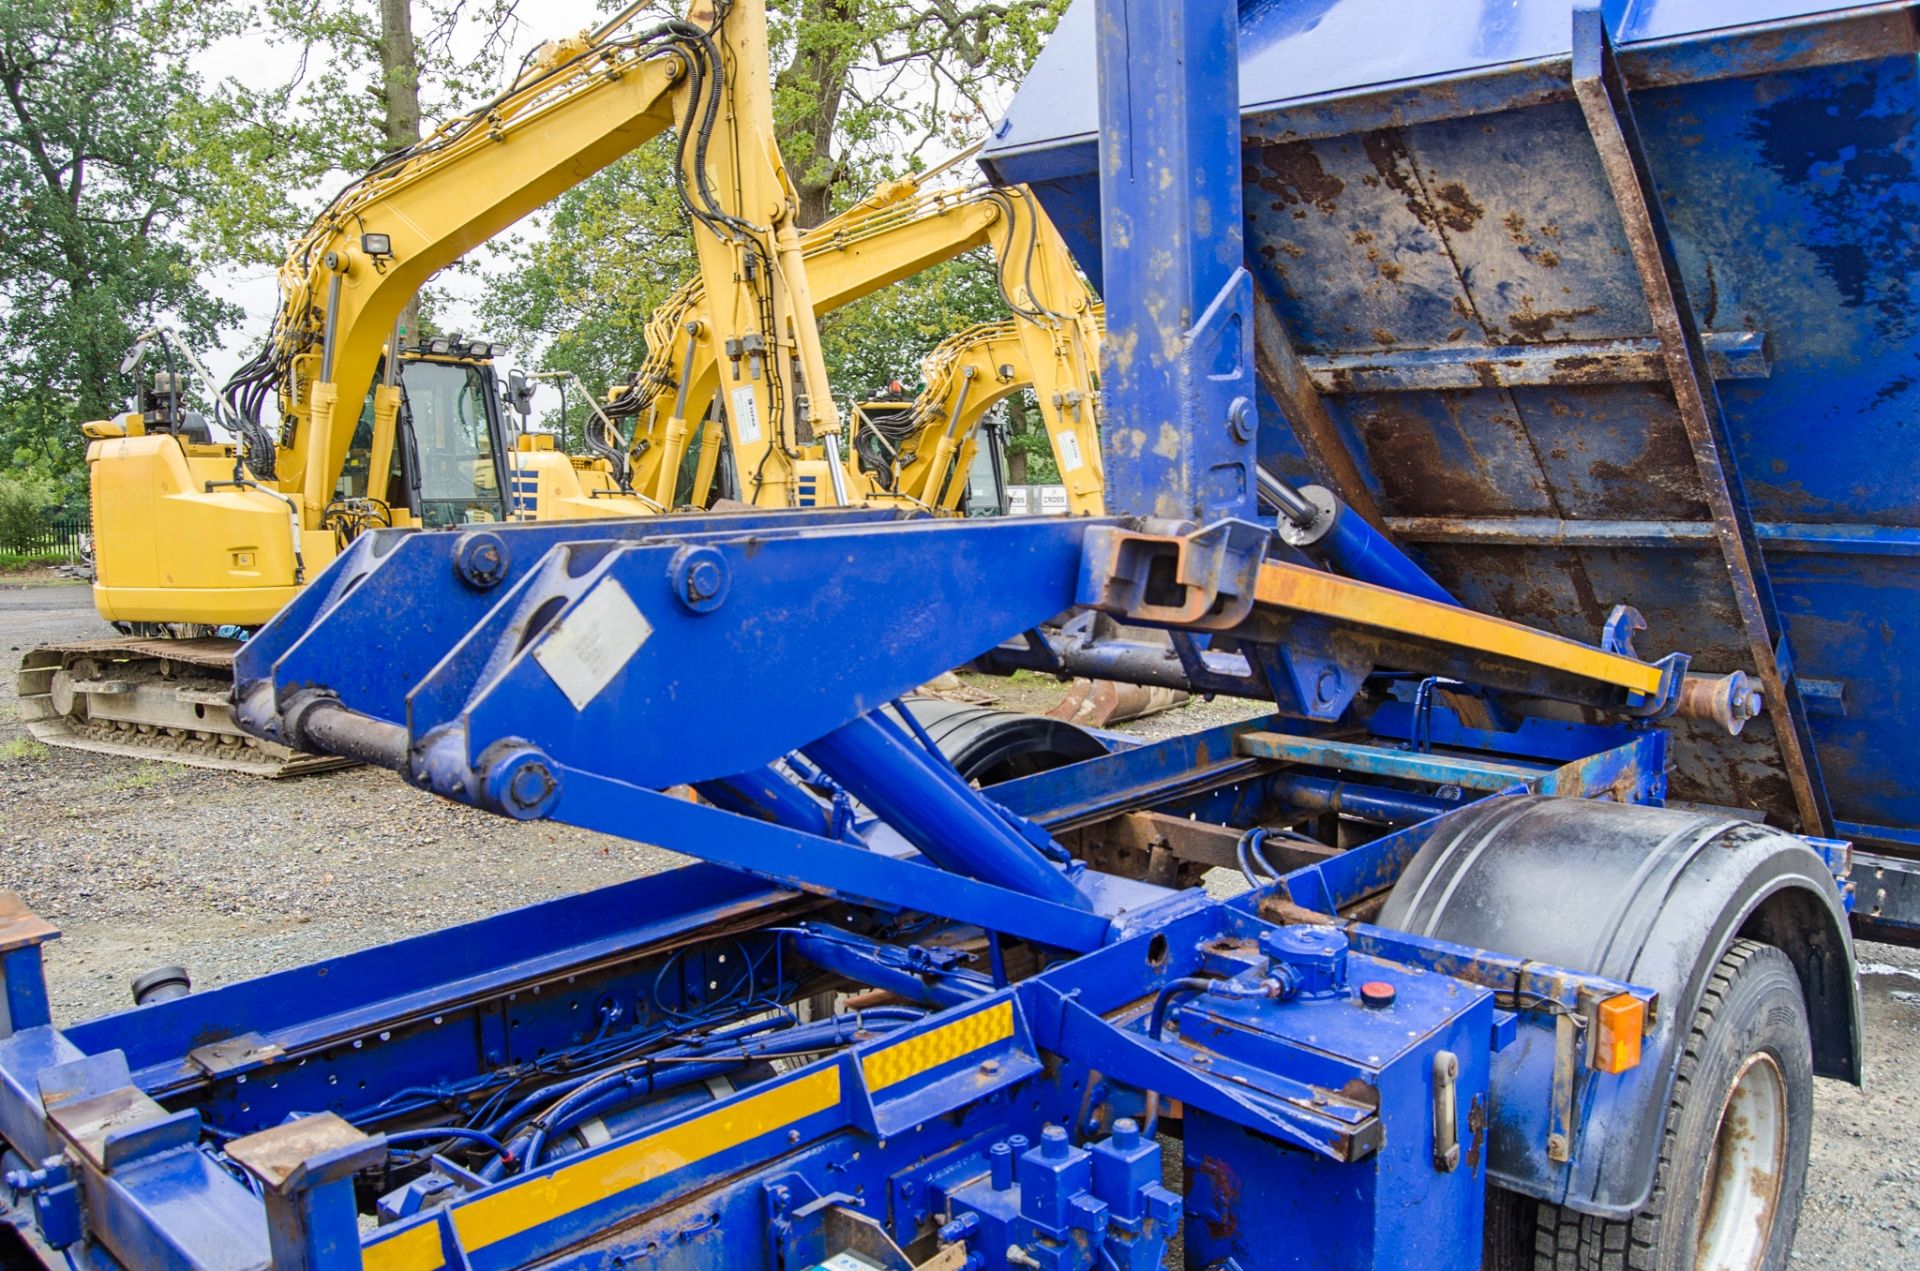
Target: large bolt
(700, 578)
(1240, 420)
(530, 785)
(517, 781)
(480, 559)
(703, 581)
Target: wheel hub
(1741, 1193)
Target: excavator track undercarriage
(149, 698)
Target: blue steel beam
(1177, 379)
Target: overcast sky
(256, 62)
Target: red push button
(1376, 993)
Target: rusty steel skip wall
(1453, 300)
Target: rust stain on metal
(1224, 1222)
(1416, 474)
(1387, 151)
(1536, 325)
(1664, 464)
(1360, 1094)
(1457, 209)
(1295, 176)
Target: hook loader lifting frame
(1492, 989)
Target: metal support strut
(1178, 373)
(1602, 93)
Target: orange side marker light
(1618, 1024)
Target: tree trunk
(400, 93)
(816, 78)
(1018, 425)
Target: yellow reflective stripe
(892, 1064)
(512, 1210)
(1313, 591)
(415, 1249)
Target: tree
(867, 82)
(616, 247)
(99, 193)
(356, 93)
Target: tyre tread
(1566, 1240)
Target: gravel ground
(143, 864)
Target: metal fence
(58, 533)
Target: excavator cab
(448, 467)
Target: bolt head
(1240, 421)
(699, 579)
(703, 580)
(480, 559)
(530, 785)
(519, 782)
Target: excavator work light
(378, 246)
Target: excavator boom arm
(586, 103)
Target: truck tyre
(1738, 1129)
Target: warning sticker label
(593, 643)
(746, 415)
(1067, 446)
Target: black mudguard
(1651, 896)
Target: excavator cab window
(454, 414)
(355, 474)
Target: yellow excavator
(1049, 343)
(194, 538)
(923, 450)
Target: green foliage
(617, 246)
(22, 750)
(1029, 450)
(278, 151)
(870, 88)
(885, 336)
(23, 519)
(99, 190)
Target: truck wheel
(1733, 1162)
